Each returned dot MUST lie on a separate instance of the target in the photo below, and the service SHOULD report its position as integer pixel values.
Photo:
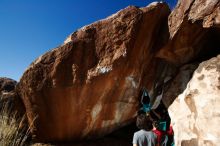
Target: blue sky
(29, 28)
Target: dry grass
(12, 133)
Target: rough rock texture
(9, 100)
(88, 87)
(7, 85)
(206, 11)
(194, 29)
(195, 113)
(177, 85)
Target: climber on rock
(154, 108)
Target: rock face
(195, 113)
(206, 11)
(178, 84)
(88, 87)
(194, 29)
(7, 85)
(9, 100)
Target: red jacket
(160, 133)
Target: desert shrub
(12, 130)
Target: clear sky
(29, 28)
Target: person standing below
(145, 136)
(164, 138)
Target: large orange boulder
(206, 12)
(88, 87)
(194, 27)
